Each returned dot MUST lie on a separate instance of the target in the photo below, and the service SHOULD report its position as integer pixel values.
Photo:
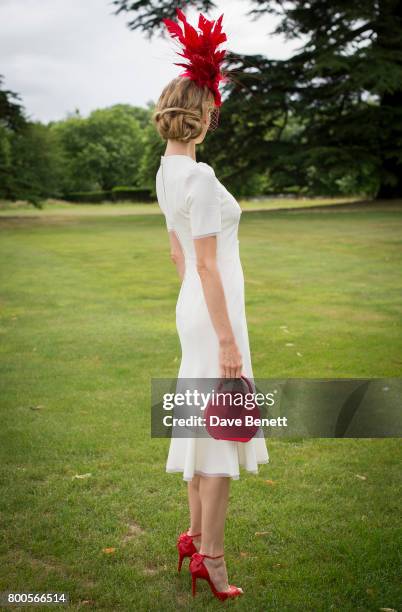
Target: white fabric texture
(196, 204)
(204, 202)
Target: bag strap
(248, 383)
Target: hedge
(117, 194)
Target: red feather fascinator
(199, 49)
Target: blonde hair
(180, 109)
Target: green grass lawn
(88, 318)
(61, 208)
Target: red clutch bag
(226, 417)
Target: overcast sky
(62, 55)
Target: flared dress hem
(201, 473)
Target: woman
(202, 219)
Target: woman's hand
(230, 359)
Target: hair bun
(180, 109)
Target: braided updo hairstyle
(180, 109)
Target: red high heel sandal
(199, 570)
(185, 546)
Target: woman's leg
(214, 494)
(194, 502)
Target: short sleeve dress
(196, 204)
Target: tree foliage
(101, 151)
(343, 88)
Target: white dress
(196, 204)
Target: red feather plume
(204, 60)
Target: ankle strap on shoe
(193, 535)
(210, 557)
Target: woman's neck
(174, 147)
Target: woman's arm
(176, 253)
(229, 355)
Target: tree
(12, 120)
(34, 170)
(343, 88)
(101, 151)
(12, 114)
